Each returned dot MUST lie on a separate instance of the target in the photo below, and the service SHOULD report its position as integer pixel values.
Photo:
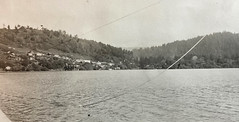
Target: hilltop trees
(218, 50)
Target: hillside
(218, 50)
(28, 49)
(21, 40)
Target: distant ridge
(216, 44)
(217, 50)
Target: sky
(168, 21)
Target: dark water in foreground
(177, 95)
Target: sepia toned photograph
(119, 61)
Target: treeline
(188, 62)
(218, 50)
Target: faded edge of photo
(3, 117)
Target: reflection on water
(177, 95)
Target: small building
(87, 61)
(65, 58)
(111, 64)
(12, 55)
(57, 56)
(39, 54)
(30, 54)
(8, 68)
(31, 58)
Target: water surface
(176, 95)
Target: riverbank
(1, 71)
(3, 117)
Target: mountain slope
(220, 48)
(217, 44)
(24, 39)
(47, 40)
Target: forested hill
(24, 39)
(216, 50)
(217, 44)
(47, 40)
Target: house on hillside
(11, 56)
(87, 61)
(31, 58)
(11, 48)
(8, 68)
(39, 54)
(65, 58)
(30, 54)
(57, 56)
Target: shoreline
(3, 117)
(2, 72)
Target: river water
(176, 95)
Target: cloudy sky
(165, 22)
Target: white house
(57, 56)
(66, 58)
(30, 53)
(8, 68)
(31, 58)
(87, 61)
(39, 54)
(12, 55)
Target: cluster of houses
(13, 56)
(75, 63)
(97, 65)
(38, 55)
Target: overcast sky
(165, 22)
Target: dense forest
(24, 39)
(217, 50)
